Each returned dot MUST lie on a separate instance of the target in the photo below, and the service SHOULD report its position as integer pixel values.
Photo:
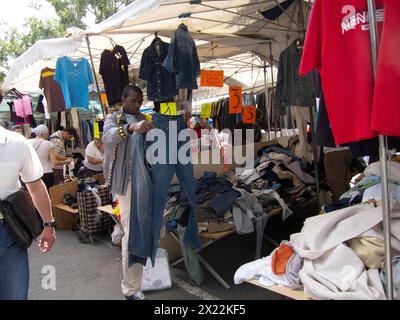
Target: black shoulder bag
(22, 218)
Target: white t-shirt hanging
(42, 148)
(46, 108)
(94, 152)
(17, 158)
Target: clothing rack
(12, 94)
(383, 160)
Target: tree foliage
(15, 42)
(72, 12)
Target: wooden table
(290, 293)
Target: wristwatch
(51, 223)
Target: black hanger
(299, 43)
(156, 38)
(13, 94)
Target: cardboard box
(64, 215)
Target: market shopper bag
(22, 218)
(94, 224)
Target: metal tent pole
(271, 60)
(266, 99)
(95, 78)
(315, 155)
(383, 161)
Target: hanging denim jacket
(182, 59)
(161, 84)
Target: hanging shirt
(74, 76)
(182, 59)
(338, 45)
(161, 84)
(385, 109)
(52, 91)
(23, 107)
(114, 70)
(291, 89)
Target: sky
(16, 11)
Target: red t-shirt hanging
(338, 45)
(386, 107)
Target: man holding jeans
(117, 135)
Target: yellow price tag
(48, 74)
(148, 117)
(206, 110)
(96, 129)
(168, 109)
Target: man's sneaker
(136, 296)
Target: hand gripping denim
(162, 175)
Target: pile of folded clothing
(279, 169)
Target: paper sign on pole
(212, 78)
(235, 100)
(206, 110)
(96, 129)
(249, 114)
(168, 109)
(104, 99)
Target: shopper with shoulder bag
(20, 223)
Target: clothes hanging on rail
(23, 106)
(385, 110)
(42, 107)
(161, 84)
(291, 89)
(182, 59)
(324, 135)
(266, 106)
(114, 70)
(74, 76)
(52, 90)
(338, 45)
(13, 116)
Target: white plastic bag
(117, 235)
(159, 277)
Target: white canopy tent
(231, 35)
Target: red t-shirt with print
(338, 45)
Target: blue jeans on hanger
(14, 267)
(162, 174)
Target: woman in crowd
(94, 157)
(46, 153)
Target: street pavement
(94, 272)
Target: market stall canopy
(235, 23)
(224, 31)
(40, 53)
